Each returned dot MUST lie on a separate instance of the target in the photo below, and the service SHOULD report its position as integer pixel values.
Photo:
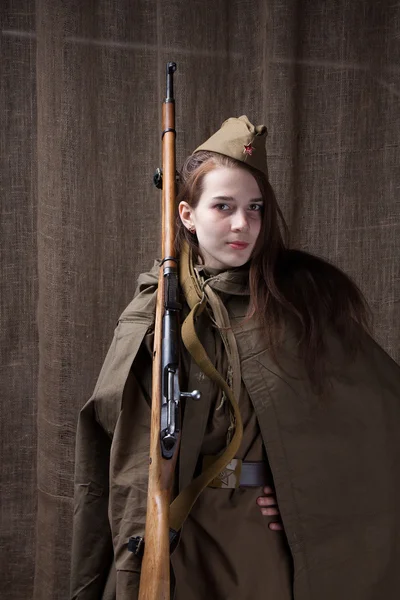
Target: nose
(239, 221)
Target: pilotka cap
(240, 139)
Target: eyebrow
(231, 199)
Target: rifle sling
(197, 300)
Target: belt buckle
(229, 478)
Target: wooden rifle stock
(165, 422)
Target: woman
(318, 402)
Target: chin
(225, 260)
(234, 264)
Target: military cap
(240, 139)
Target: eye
(222, 206)
(256, 207)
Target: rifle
(166, 394)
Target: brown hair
(285, 283)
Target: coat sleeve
(129, 469)
(99, 499)
(92, 555)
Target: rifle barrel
(155, 572)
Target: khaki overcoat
(335, 460)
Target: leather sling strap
(197, 300)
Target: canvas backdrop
(80, 116)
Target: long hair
(285, 284)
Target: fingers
(267, 501)
(269, 508)
(276, 526)
(268, 491)
(270, 512)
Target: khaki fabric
(226, 548)
(241, 140)
(325, 457)
(228, 551)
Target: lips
(238, 245)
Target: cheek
(257, 225)
(213, 223)
(204, 219)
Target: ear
(185, 214)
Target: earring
(192, 229)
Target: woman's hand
(269, 508)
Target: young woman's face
(227, 218)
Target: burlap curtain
(81, 87)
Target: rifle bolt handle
(195, 395)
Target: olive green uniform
(335, 466)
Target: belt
(239, 473)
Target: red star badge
(248, 149)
